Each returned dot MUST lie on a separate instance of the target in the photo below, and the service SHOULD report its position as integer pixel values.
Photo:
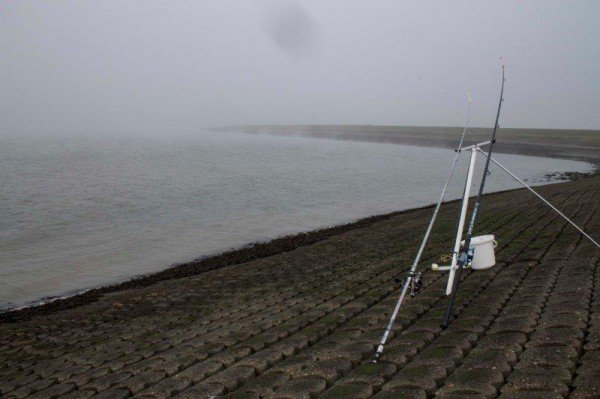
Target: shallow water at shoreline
(79, 213)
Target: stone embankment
(303, 323)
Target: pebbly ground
(303, 323)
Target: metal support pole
(586, 235)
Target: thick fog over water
(162, 68)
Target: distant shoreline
(577, 145)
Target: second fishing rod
(467, 253)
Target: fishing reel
(465, 257)
(416, 282)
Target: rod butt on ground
(447, 314)
(378, 353)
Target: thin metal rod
(388, 329)
(461, 221)
(586, 235)
(413, 268)
(464, 256)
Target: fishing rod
(413, 279)
(467, 253)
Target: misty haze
(299, 199)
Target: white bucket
(483, 256)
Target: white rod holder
(470, 147)
(461, 222)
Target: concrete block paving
(303, 323)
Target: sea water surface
(77, 213)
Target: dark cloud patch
(292, 29)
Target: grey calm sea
(76, 213)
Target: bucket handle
(495, 243)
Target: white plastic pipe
(461, 221)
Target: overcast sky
(167, 66)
